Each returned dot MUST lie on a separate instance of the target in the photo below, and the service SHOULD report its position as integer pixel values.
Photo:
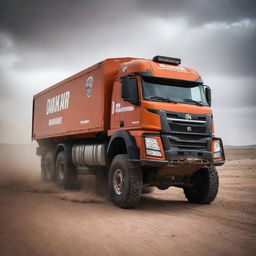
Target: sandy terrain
(40, 219)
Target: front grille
(189, 137)
(188, 144)
(188, 132)
(181, 116)
(184, 123)
(188, 127)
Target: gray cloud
(43, 42)
(56, 29)
(200, 12)
(29, 20)
(35, 20)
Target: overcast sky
(45, 41)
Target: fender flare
(131, 147)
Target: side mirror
(125, 84)
(208, 95)
(130, 90)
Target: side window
(130, 90)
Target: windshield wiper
(161, 99)
(194, 101)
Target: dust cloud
(20, 171)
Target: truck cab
(166, 108)
(168, 102)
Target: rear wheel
(65, 171)
(206, 185)
(47, 167)
(125, 181)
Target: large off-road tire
(206, 185)
(125, 180)
(47, 167)
(65, 171)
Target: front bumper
(178, 151)
(191, 151)
(170, 163)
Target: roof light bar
(169, 60)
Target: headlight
(216, 146)
(151, 143)
(153, 153)
(152, 147)
(217, 155)
(217, 149)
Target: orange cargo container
(78, 105)
(134, 124)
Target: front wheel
(206, 185)
(125, 181)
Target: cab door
(125, 113)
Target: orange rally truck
(134, 123)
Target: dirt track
(39, 219)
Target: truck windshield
(176, 91)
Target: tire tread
(209, 189)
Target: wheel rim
(61, 171)
(118, 181)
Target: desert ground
(39, 219)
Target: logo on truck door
(117, 108)
(88, 86)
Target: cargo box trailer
(134, 123)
